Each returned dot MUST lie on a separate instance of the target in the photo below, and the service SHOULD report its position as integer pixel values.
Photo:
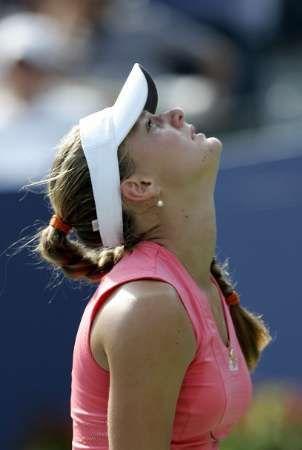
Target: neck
(190, 234)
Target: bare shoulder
(138, 304)
(149, 343)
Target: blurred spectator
(32, 46)
(82, 22)
(74, 14)
(107, 38)
(252, 26)
(252, 21)
(113, 35)
(33, 113)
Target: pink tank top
(216, 389)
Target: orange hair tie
(233, 299)
(58, 224)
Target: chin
(214, 143)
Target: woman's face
(169, 149)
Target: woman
(163, 351)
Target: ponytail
(251, 331)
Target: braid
(71, 197)
(251, 331)
(75, 260)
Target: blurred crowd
(63, 59)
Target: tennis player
(164, 350)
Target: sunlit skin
(178, 165)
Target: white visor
(101, 134)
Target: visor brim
(138, 93)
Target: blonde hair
(84, 257)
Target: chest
(217, 385)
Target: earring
(160, 203)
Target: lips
(192, 131)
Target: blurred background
(235, 68)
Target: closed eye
(149, 124)
(153, 121)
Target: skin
(180, 167)
(181, 170)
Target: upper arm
(148, 351)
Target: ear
(138, 189)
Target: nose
(176, 117)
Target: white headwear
(101, 134)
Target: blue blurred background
(235, 68)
